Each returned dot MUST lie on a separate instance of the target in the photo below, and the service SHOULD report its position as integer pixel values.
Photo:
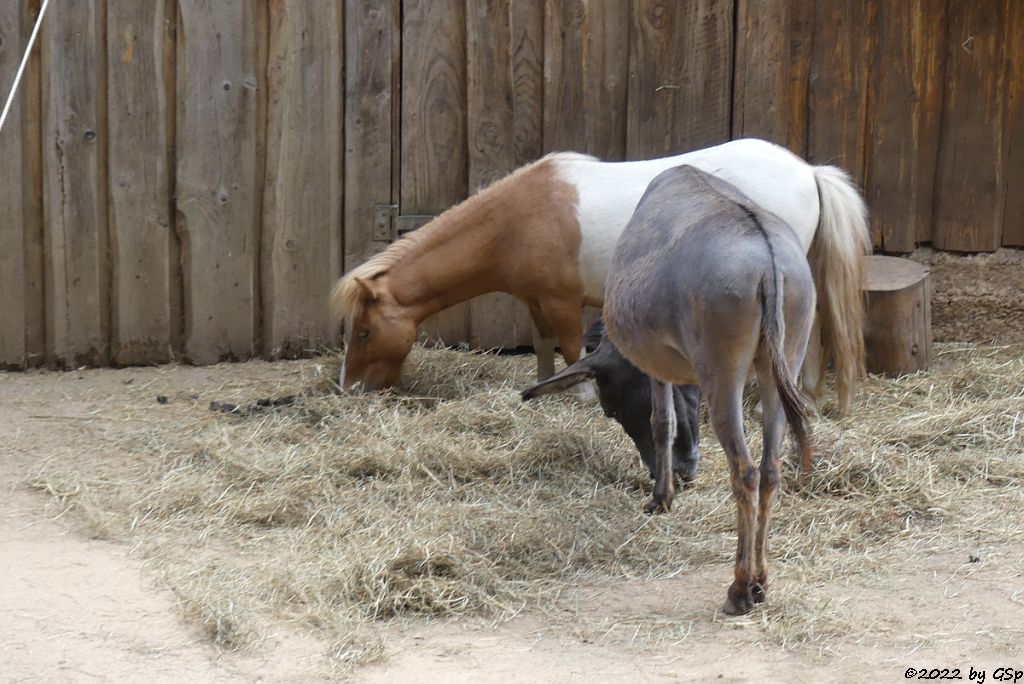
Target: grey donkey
(734, 297)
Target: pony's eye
(363, 334)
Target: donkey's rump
(693, 261)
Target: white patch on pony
(341, 375)
(609, 192)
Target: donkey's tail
(840, 242)
(794, 403)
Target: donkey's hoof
(739, 600)
(734, 607)
(654, 507)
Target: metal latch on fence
(389, 225)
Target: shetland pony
(546, 233)
(705, 286)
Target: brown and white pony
(546, 233)
(704, 287)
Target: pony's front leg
(544, 348)
(543, 342)
(663, 426)
(566, 318)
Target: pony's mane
(347, 297)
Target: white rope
(24, 61)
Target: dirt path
(74, 609)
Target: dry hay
(451, 497)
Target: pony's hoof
(585, 392)
(758, 410)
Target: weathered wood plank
(495, 105)
(801, 53)
(217, 175)
(141, 180)
(13, 182)
(904, 125)
(302, 219)
(372, 58)
(971, 171)
(680, 67)
(838, 84)
(563, 75)
(75, 208)
(762, 70)
(34, 237)
(434, 142)
(489, 101)
(606, 70)
(586, 77)
(1013, 216)
(527, 46)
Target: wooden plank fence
(184, 179)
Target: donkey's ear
(372, 288)
(581, 371)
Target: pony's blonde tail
(837, 264)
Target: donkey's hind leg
(725, 401)
(773, 430)
(663, 426)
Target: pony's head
(379, 332)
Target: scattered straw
(451, 497)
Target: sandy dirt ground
(76, 609)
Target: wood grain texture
(302, 218)
(435, 164)
(971, 159)
(838, 91)
(563, 75)
(606, 74)
(526, 25)
(898, 330)
(586, 59)
(1013, 216)
(32, 214)
(75, 206)
(762, 81)
(904, 123)
(680, 76)
(14, 181)
(143, 245)
(217, 175)
(801, 54)
(372, 58)
(496, 64)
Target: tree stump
(898, 329)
